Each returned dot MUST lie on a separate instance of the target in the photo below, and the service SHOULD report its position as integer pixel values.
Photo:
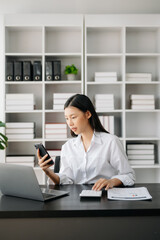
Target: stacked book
(142, 102)
(27, 160)
(139, 77)
(19, 102)
(104, 102)
(54, 152)
(20, 130)
(141, 154)
(56, 130)
(105, 77)
(59, 100)
(108, 123)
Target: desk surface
(73, 206)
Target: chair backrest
(57, 164)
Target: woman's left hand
(107, 183)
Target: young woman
(92, 156)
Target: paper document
(140, 193)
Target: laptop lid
(21, 181)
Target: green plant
(71, 69)
(3, 138)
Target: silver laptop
(21, 181)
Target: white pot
(71, 77)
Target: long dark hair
(83, 103)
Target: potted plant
(71, 72)
(3, 138)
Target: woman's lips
(73, 129)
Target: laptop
(21, 181)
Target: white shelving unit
(42, 37)
(127, 44)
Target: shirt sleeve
(119, 161)
(65, 174)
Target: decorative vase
(71, 77)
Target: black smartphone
(43, 152)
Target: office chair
(57, 164)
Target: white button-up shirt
(105, 158)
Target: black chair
(57, 164)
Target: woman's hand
(107, 183)
(43, 163)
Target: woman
(93, 156)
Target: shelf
(64, 54)
(63, 82)
(142, 138)
(34, 111)
(24, 54)
(139, 111)
(146, 166)
(104, 55)
(140, 83)
(104, 83)
(24, 83)
(26, 140)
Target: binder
(37, 71)
(56, 70)
(9, 71)
(49, 71)
(18, 71)
(27, 71)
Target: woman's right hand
(43, 163)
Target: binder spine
(37, 71)
(49, 71)
(27, 71)
(17, 71)
(57, 70)
(9, 71)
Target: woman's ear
(88, 114)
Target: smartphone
(43, 152)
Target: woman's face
(77, 120)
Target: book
(19, 102)
(50, 131)
(20, 158)
(139, 77)
(141, 96)
(20, 125)
(63, 95)
(143, 102)
(20, 96)
(105, 74)
(104, 96)
(140, 193)
(56, 136)
(58, 106)
(111, 124)
(147, 75)
(20, 136)
(30, 164)
(141, 162)
(19, 107)
(19, 130)
(143, 151)
(54, 152)
(142, 107)
(140, 157)
(59, 101)
(105, 79)
(55, 125)
(140, 146)
(104, 109)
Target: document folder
(37, 71)
(17, 71)
(9, 71)
(27, 71)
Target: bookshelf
(42, 38)
(127, 44)
(94, 43)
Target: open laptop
(21, 181)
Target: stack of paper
(104, 102)
(105, 76)
(19, 102)
(27, 160)
(142, 102)
(54, 152)
(108, 123)
(140, 193)
(139, 77)
(59, 100)
(56, 130)
(141, 154)
(20, 130)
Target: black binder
(27, 71)
(37, 71)
(49, 71)
(9, 71)
(18, 71)
(56, 70)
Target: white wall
(80, 6)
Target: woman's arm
(46, 168)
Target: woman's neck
(87, 137)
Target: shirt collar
(95, 139)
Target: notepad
(140, 193)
